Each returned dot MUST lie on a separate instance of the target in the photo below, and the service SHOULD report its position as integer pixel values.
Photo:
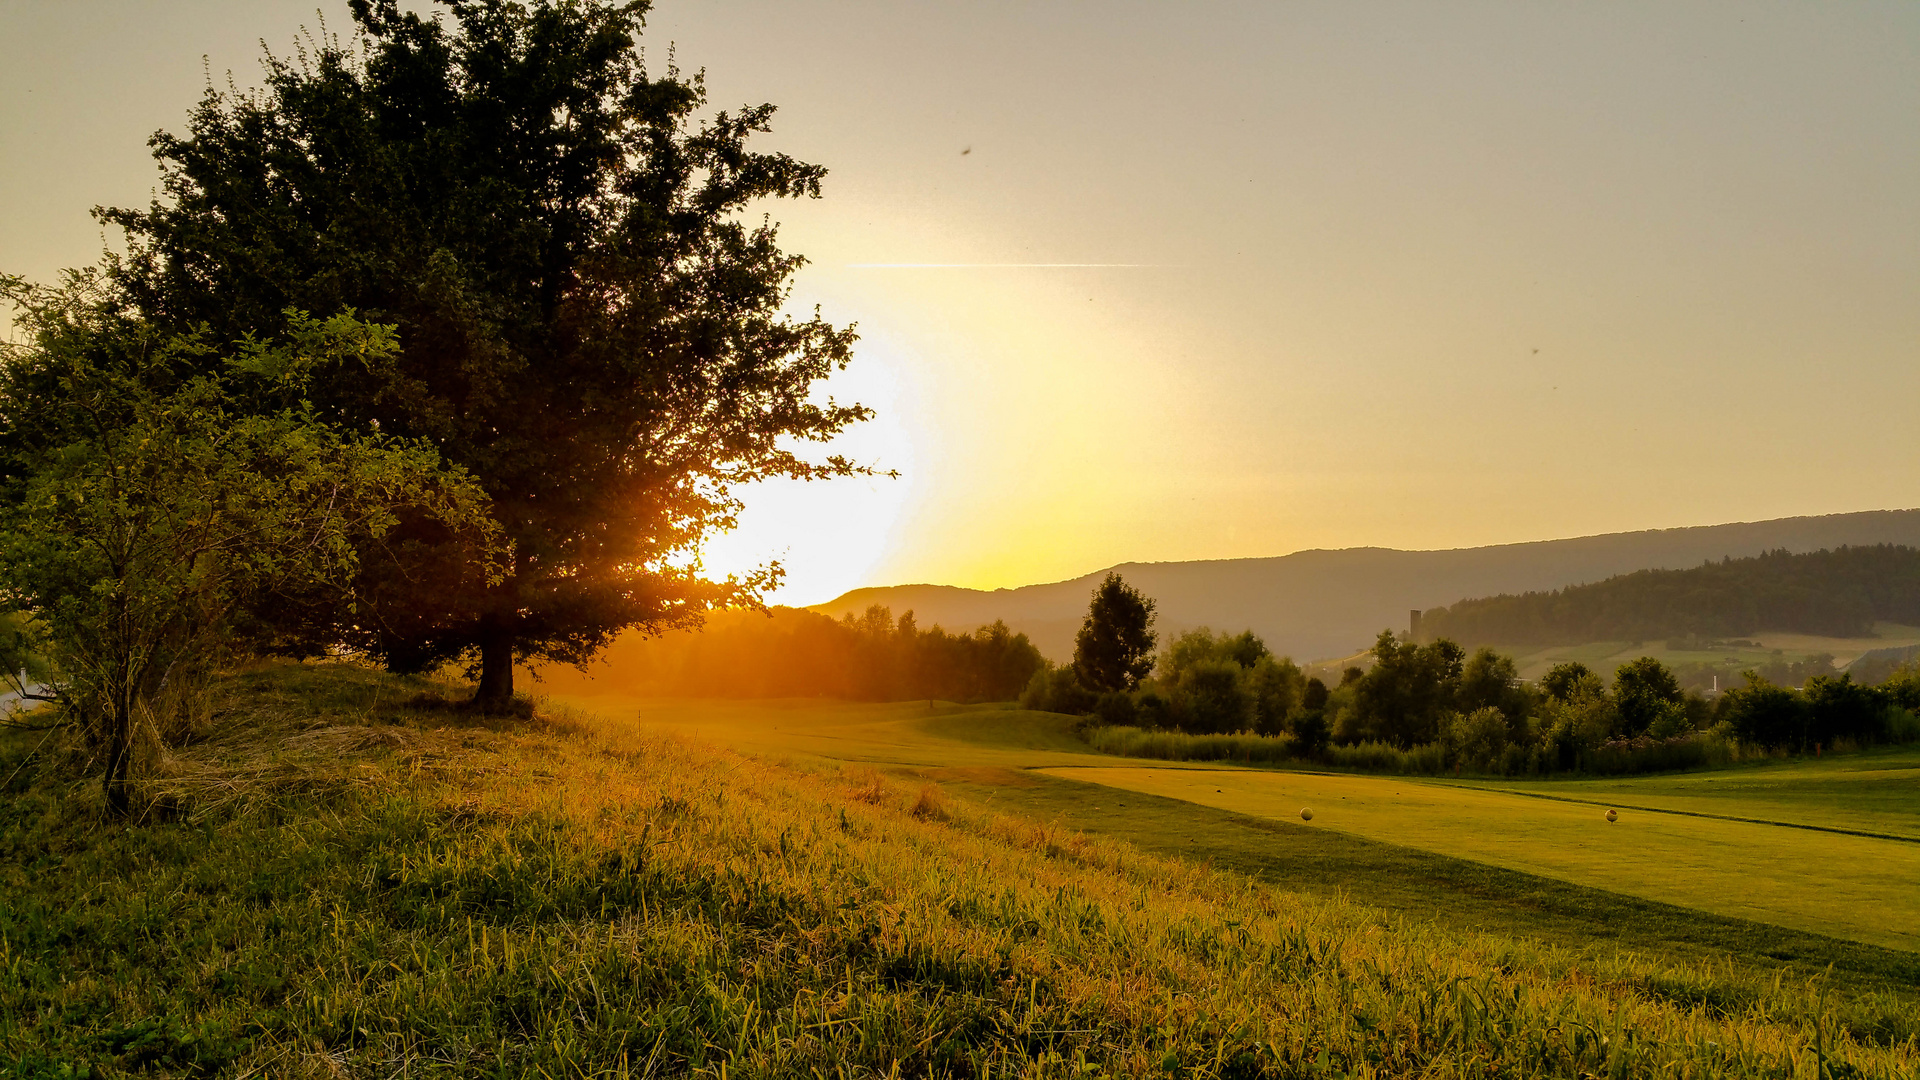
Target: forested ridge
(1835, 593)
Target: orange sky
(1411, 275)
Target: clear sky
(1413, 275)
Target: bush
(1212, 697)
(1116, 708)
(1181, 746)
(1310, 732)
(1622, 757)
(1477, 739)
(1839, 708)
(1057, 690)
(1764, 715)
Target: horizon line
(1004, 266)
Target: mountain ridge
(1321, 602)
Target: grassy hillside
(331, 883)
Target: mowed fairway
(1860, 888)
(1873, 792)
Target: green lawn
(1857, 888)
(1877, 791)
(1409, 882)
(334, 880)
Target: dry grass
(931, 805)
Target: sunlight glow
(830, 535)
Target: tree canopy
(1114, 649)
(587, 323)
(153, 488)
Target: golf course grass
(343, 877)
(1876, 791)
(1702, 857)
(1855, 887)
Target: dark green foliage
(1212, 698)
(1568, 680)
(1114, 648)
(589, 320)
(1764, 714)
(1315, 695)
(1410, 690)
(1058, 690)
(1116, 707)
(1310, 732)
(1839, 708)
(1645, 693)
(1489, 680)
(155, 489)
(1227, 682)
(1838, 593)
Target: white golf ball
(1613, 815)
(1306, 814)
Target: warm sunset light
(1228, 540)
(1238, 279)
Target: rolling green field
(1876, 791)
(331, 881)
(1811, 878)
(1859, 888)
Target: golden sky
(1208, 280)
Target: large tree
(1114, 649)
(587, 322)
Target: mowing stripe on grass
(1716, 817)
(1857, 888)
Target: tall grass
(464, 901)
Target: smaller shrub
(1310, 732)
(1058, 690)
(1116, 708)
(931, 805)
(866, 786)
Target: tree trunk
(495, 694)
(117, 784)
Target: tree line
(792, 652)
(1835, 593)
(1469, 708)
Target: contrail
(1000, 266)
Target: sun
(830, 536)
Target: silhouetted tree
(586, 322)
(1114, 649)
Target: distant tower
(1413, 625)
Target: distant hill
(1835, 593)
(1317, 604)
